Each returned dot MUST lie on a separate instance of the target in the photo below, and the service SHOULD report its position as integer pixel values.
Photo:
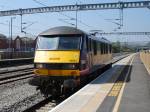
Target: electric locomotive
(65, 57)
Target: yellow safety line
(116, 107)
(116, 89)
(99, 97)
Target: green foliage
(117, 47)
(148, 44)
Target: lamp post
(76, 15)
(8, 36)
(11, 40)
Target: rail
(13, 62)
(14, 55)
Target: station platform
(123, 88)
(136, 95)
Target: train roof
(104, 40)
(62, 30)
(101, 39)
(66, 30)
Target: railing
(145, 57)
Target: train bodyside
(99, 52)
(74, 58)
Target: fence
(14, 55)
(145, 57)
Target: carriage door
(89, 51)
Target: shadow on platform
(109, 76)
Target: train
(65, 57)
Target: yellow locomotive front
(57, 56)
(57, 59)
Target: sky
(135, 20)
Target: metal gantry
(124, 33)
(81, 7)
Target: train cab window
(61, 43)
(47, 43)
(69, 43)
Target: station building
(3, 42)
(17, 44)
(23, 44)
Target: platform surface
(123, 88)
(90, 97)
(135, 96)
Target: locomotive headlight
(72, 66)
(39, 65)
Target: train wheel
(68, 91)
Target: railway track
(20, 73)
(7, 76)
(15, 68)
(29, 102)
(15, 75)
(44, 105)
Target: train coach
(65, 57)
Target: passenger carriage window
(106, 48)
(99, 45)
(87, 43)
(110, 48)
(101, 48)
(84, 45)
(90, 44)
(95, 47)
